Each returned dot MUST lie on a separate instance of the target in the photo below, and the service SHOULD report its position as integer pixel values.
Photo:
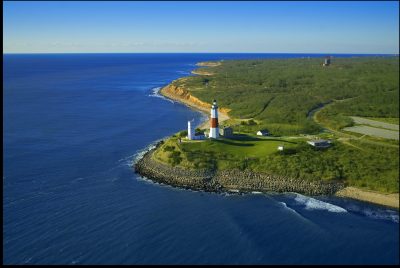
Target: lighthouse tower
(190, 131)
(214, 132)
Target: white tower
(214, 131)
(190, 131)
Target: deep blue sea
(72, 126)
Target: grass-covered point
(280, 93)
(363, 165)
(289, 97)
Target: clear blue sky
(293, 27)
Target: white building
(191, 133)
(319, 143)
(263, 133)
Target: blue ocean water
(72, 126)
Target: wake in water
(313, 204)
(156, 93)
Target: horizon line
(331, 53)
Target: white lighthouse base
(214, 133)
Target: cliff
(179, 93)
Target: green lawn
(241, 145)
(222, 153)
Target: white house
(263, 133)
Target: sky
(204, 27)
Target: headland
(230, 174)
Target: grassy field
(226, 152)
(367, 166)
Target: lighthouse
(190, 131)
(214, 131)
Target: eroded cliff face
(181, 94)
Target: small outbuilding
(280, 148)
(263, 132)
(227, 132)
(199, 136)
(320, 143)
(327, 61)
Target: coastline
(183, 96)
(180, 94)
(237, 181)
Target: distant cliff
(179, 93)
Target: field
(227, 152)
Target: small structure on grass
(327, 61)
(192, 135)
(320, 143)
(280, 148)
(263, 132)
(226, 132)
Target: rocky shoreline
(229, 180)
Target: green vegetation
(363, 165)
(280, 93)
(282, 96)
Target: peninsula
(294, 104)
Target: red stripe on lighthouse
(214, 122)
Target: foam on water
(133, 159)
(375, 213)
(314, 204)
(286, 207)
(156, 93)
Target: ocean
(73, 125)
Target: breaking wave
(375, 213)
(156, 93)
(314, 204)
(286, 207)
(140, 153)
